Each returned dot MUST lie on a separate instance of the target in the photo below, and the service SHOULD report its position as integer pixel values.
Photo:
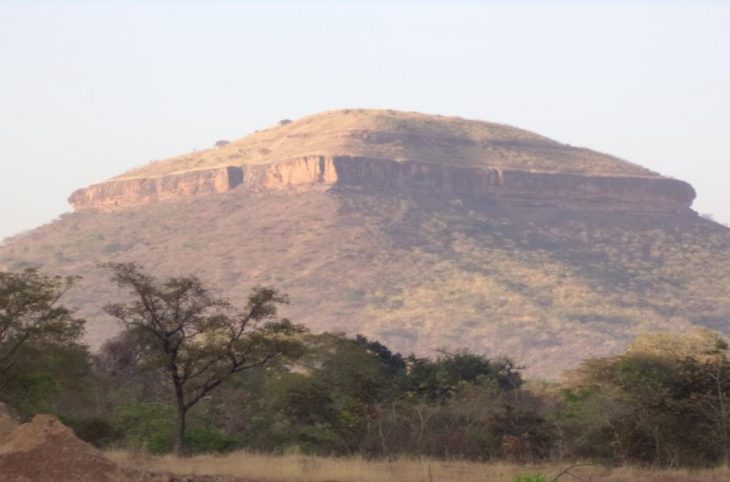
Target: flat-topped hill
(398, 136)
(402, 151)
(424, 232)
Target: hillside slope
(548, 267)
(549, 286)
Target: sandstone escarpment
(408, 151)
(609, 192)
(118, 194)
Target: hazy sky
(91, 89)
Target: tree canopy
(198, 339)
(30, 312)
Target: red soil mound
(8, 422)
(46, 450)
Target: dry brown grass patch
(302, 468)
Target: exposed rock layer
(571, 190)
(118, 194)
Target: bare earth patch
(45, 450)
(8, 422)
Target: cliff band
(403, 151)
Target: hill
(547, 259)
(398, 136)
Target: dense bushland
(663, 402)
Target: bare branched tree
(197, 339)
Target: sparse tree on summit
(197, 339)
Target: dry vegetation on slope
(546, 285)
(399, 136)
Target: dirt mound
(8, 422)
(45, 450)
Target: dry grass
(300, 468)
(399, 136)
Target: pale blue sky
(91, 89)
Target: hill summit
(401, 137)
(424, 232)
(377, 148)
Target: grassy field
(300, 468)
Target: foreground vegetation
(190, 372)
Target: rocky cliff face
(317, 172)
(112, 195)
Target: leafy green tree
(637, 407)
(356, 396)
(329, 402)
(152, 427)
(31, 316)
(50, 377)
(197, 339)
(43, 365)
(394, 362)
(439, 379)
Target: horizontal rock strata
(570, 190)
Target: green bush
(205, 440)
(148, 426)
(151, 427)
(530, 478)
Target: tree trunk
(182, 412)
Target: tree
(30, 314)
(197, 339)
(637, 406)
(328, 404)
(439, 379)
